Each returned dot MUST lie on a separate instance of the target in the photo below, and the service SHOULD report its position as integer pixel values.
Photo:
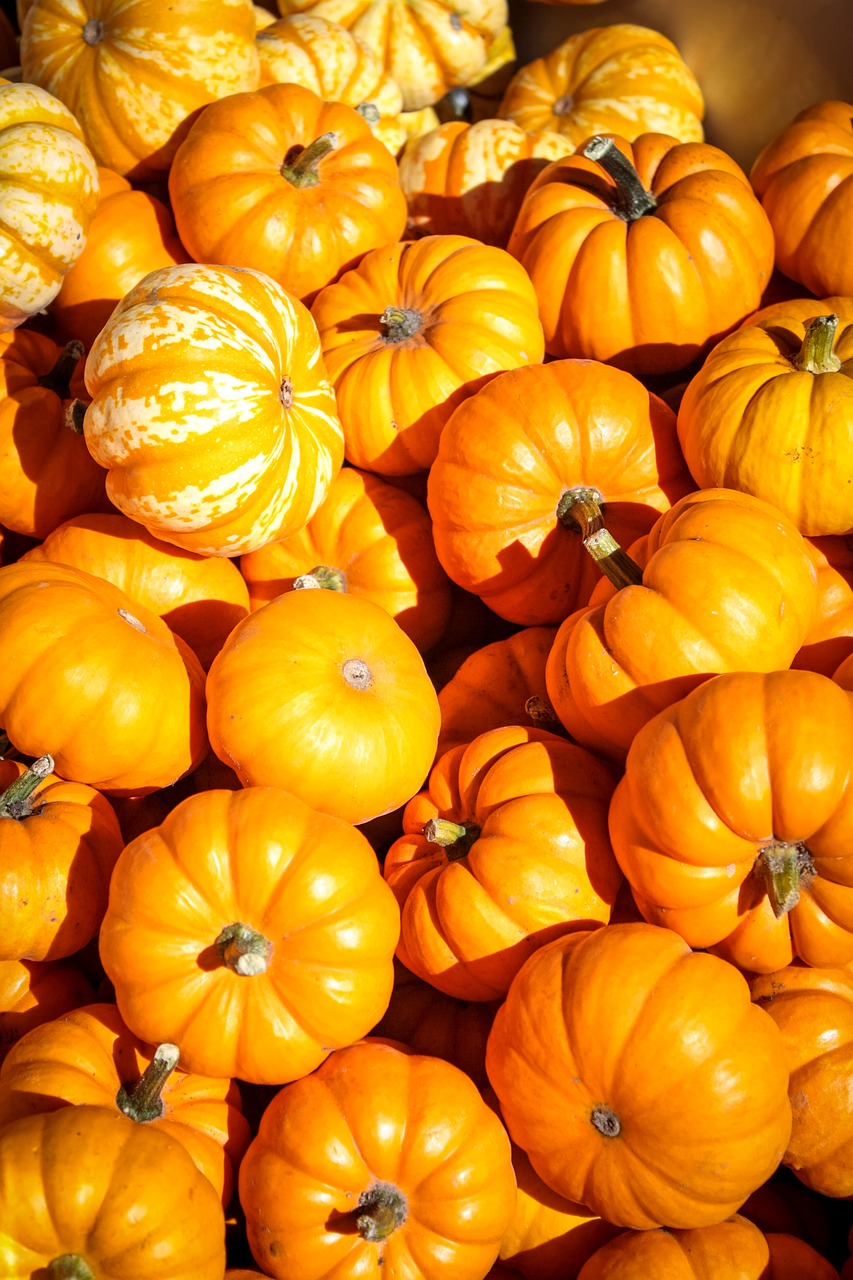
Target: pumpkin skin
(622, 78)
(47, 217)
(727, 585)
(803, 179)
(379, 539)
(134, 74)
(785, 1206)
(791, 1258)
(375, 1115)
(305, 882)
(532, 862)
(200, 598)
(36, 991)
(217, 460)
(621, 1114)
(733, 1248)
(89, 1054)
(648, 291)
(767, 414)
(131, 234)
(241, 196)
(411, 333)
(470, 179)
(96, 679)
(757, 762)
(131, 1223)
(510, 453)
(353, 702)
(830, 639)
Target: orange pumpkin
(734, 819)
(381, 1163)
(353, 703)
(253, 932)
(830, 639)
(732, 1248)
(36, 991)
(216, 455)
(783, 1205)
(284, 182)
(642, 255)
(791, 1259)
(594, 1059)
(411, 333)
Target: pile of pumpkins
(426, 655)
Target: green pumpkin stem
(243, 950)
(323, 576)
(632, 199)
(380, 1211)
(16, 800)
(580, 508)
(456, 838)
(400, 323)
(784, 868)
(300, 163)
(58, 379)
(816, 354)
(143, 1101)
(69, 1266)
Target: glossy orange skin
(374, 1112)
(200, 598)
(813, 1008)
(380, 538)
(751, 419)
(609, 1020)
(648, 295)
(733, 1248)
(541, 865)
(728, 585)
(830, 640)
(804, 179)
(88, 1054)
(233, 205)
(36, 991)
(745, 760)
(131, 233)
(353, 752)
(478, 317)
(57, 863)
(508, 455)
(87, 1180)
(65, 638)
(46, 472)
(308, 882)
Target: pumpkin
(506, 849)
(802, 177)
(383, 1163)
(594, 1058)
(36, 991)
(47, 474)
(784, 1205)
(336, 65)
(470, 179)
(134, 73)
(90, 1056)
(510, 455)
(353, 703)
(723, 582)
(253, 932)
(84, 1191)
(286, 183)
(96, 679)
(767, 414)
(201, 598)
(732, 821)
(791, 1259)
(369, 539)
(49, 189)
(413, 331)
(732, 1248)
(830, 639)
(131, 234)
(426, 50)
(621, 78)
(211, 410)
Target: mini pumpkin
(36, 991)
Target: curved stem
(244, 950)
(632, 198)
(58, 379)
(580, 508)
(816, 354)
(400, 323)
(456, 838)
(16, 800)
(323, 576)
(69, 1266)
(300, 163)
(784, 868)
(144, 1101)
(380, 1211)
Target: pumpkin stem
(300, 163)
(16, 800)
(357, 673)
(75, 412)
(784, 868)
(93, 31)
(540, 710)
(632, 198)
(380, 1211)
(322, 576)
(143, 1101)
(400, 323)
(606, 1122)
(456, 838)
(69, 1266)
(580, 508)
(58, 378)
(369, 112)
(816, 354)
(243, 950)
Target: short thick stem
(540, 710)
(632, 199)
(144, 1100)
(784, 868)
(380, 1211)
(75, 416)
(300, 163)
(69, 1266)
(324, 577)
(816, 354)
(456, 838)
(606, 1122)
(580, 508)
(400, 323)
(357, 673)
(16, 800)
(58, 379)
(244, 950)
